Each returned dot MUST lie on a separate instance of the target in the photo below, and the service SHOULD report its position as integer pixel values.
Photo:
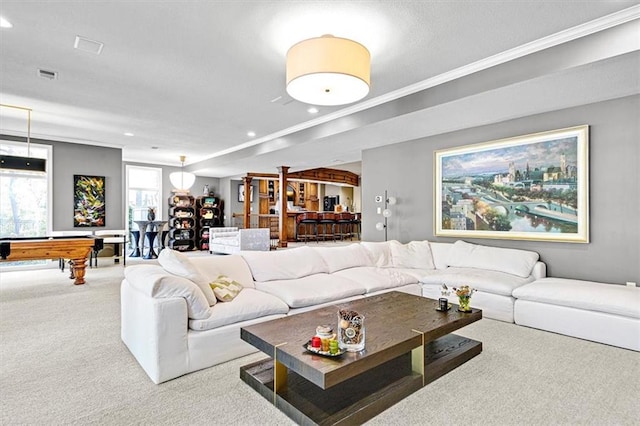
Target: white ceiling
(193, 77)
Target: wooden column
(282, 222)
(247, 201)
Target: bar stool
(326, 219)
(343, 222)
(305, 220)
(355, 225)
(163, 238)
(135, 242)
(150, 236)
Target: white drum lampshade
(328, 70)
(182, 180)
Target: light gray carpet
(62, 362)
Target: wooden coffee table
(408, 345)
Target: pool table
(77, 249)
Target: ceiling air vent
(49, 75)
(88, 45)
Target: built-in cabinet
(301, 194)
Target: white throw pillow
(415, 254)
(379, 253)
(344, 257)
(178, 264)
(510, 261)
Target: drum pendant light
(182, 180)
(328, 70)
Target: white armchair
(233, 240)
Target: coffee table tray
(307, 346)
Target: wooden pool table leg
(78, 267)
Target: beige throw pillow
(225, 288)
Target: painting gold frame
(532, 187)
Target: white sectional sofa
(173, 323)
(605, 313)
(494, 272)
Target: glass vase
(351, 335)
(464, 303)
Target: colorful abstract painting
(89, 203)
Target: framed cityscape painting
(532, 187)
(88, 201)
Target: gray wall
(237, 207)
(73, 159)
(613, 254)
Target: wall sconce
(386, 213)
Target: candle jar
(324, 332)
(351, 331)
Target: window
(144, 191)
(25, 196)
(25, 199)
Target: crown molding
(583, 30)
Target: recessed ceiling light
(154, 147)
(251, 134)
(4, 23)
(312, 110)
(128, 134)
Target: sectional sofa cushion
(232, 265)
(593, 296)
(312, 289)
(511, 261)
(415, 254)
(153, 281)
(375, 279)
(177, 263)
(249, 304)
(416, 273)
(482, 280)
(284, 265)
(343, 257)
(440, 253)
(379, 253)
